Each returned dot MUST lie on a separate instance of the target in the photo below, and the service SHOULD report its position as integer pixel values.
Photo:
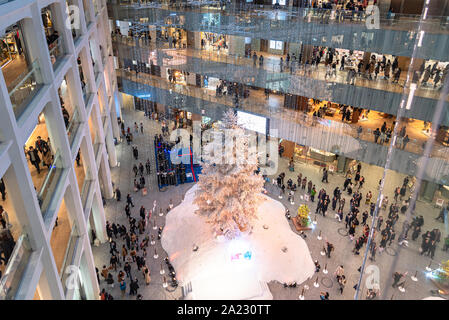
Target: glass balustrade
(97, 149)
(85, 190)
(56, 51)
(86, 94)
(399, 21)
(51, 180)
(73, 126)
(288, 72)
(23, 89)
(15, 268)
(69, 259)
(251, 105)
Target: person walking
(397, 277)
(329, 249)
(342, 283)
(105, 272)
(148, 166)
(118, 194)
(325, 175)
(339, 272)
(129, 200)
(35, 160)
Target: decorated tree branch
(229, 190)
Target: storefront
(176, 38)
(352, 59)
(211, 83)
(214, 42)
(10, 46)
(177, 76)
(308, 155)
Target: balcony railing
(15, 269)
(56, 51)
(69, 258)
(288, 14)
(86, 94)
(51, 181)
(284, 114)
(85, 191)
(24, 88)
(73, 126)
(289, 72)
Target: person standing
(373, 249)
(124, 253)
(3, 189)
(313, 193)
(123, 287)
(147, 276)
(133, 286)
(324, 295)
(127, 269)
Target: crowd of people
(384, 225)
(132, 238)
(429, 74)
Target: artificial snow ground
(234, 269)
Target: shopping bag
(144, 192)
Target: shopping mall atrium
(331, 117)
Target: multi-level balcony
(299, 79)
(321, 27)
(323, 134)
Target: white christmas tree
(229, 190)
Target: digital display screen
(252, 122)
